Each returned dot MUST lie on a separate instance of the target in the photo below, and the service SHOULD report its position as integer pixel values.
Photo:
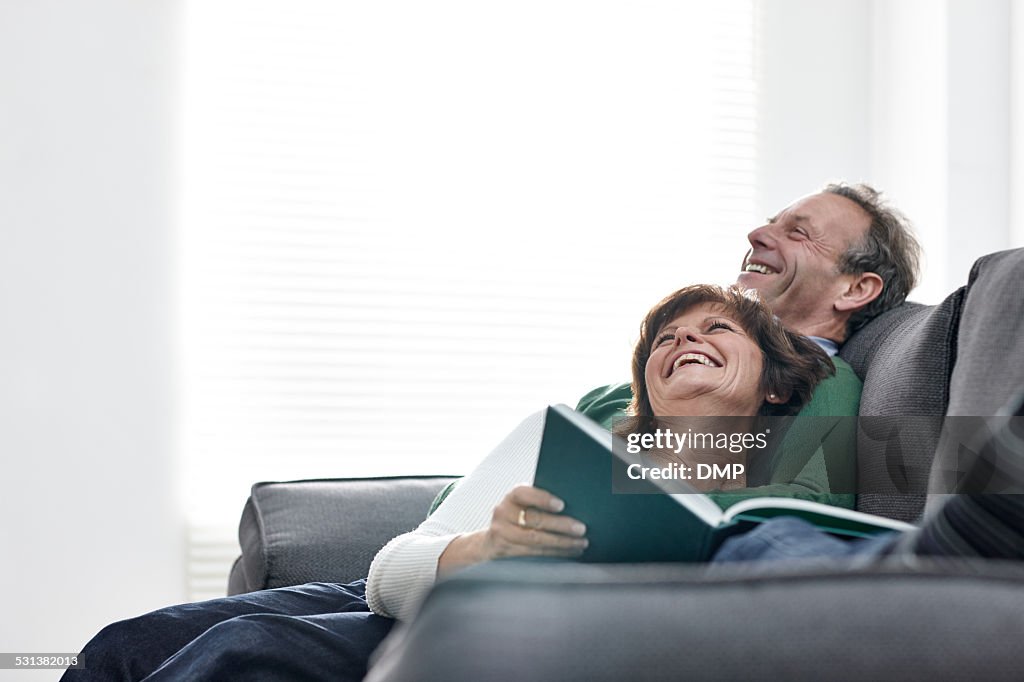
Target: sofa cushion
(324, 530)
(905, 357)
(990, 367)
(989, 372)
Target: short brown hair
(793, 365)
(888, 249)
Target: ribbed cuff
(402, 573)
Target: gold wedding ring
(522, 518)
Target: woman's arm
(478, 521)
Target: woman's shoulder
(605, 404)
(836, 396)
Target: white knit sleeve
(405, 569)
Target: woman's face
(704, 363)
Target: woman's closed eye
(663, 337)
(719, 324)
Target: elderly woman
(703, 351)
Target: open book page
(702, 506)
(828, 518)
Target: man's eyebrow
(806, 220)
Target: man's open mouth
(759, 267)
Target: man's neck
(833, 330)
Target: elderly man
(831, 261)
(826, 264)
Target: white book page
(817, 507)
(701, 505)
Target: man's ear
(863, 289)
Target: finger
(558, 551)
(532, 537)
(542, 551)
(552, 523)
(528, 496)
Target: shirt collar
(828, 345)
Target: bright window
(407, 225)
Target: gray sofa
(523, 621)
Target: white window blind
(407, 225)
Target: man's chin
(764, 285)
(753, 280)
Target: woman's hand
(525, 523)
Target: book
(578, 461)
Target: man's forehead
(827, 211)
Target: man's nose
(762, 237)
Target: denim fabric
(314, 631)
(788, 538)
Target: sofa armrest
(561, 621)
(324, 530)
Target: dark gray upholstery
(991, 357)
(325, 530)
(991, 336)
(905, 358)
(520, 622)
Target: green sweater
(817, 455)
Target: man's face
(792, 260)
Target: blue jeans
(788, 538)
(309, 632)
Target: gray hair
(889, 249)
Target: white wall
(978, 139)
(814, 109)
(941, 127)
(909, 120)
(88, 510)
(1017, 123)
(912, 96)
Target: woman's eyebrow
(705, 321)
(725, 317)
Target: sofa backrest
(905, 358)
(961, 356)
(990, 363)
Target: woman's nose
(689, 334)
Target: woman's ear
(776, 398)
